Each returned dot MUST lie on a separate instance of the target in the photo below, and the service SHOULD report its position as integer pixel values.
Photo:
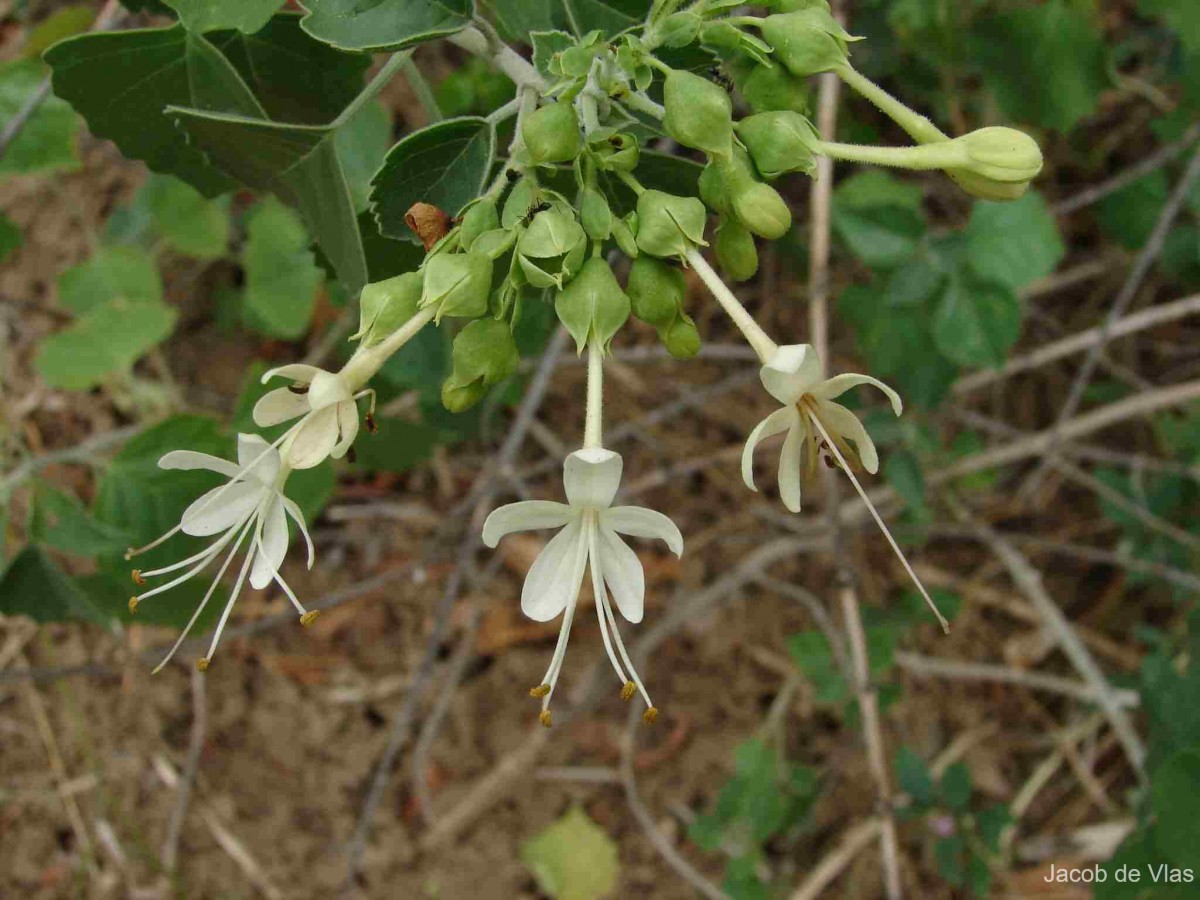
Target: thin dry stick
(1029, 581)
(821, 198)
(834, 862)
(170, 851)
(1141, 268)
(1085, 340)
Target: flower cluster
(571, 200)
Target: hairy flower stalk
(589, 538)
(251, 504)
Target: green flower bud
(669, 225)
(807, 41)
(483, 354)
(551, 249)
(517, 205)
(458, 284)
(712, 189)
(618, 153)
(592, 305)
(551, 134)
(699, 114)
(736, 251)
(770, 88)
(386, 305)
(986, 188)
(624, 232)
(481, 216)
(780, 142)
(729, 40)
(1002, 154)
(656, 290)
(679, 29)
(787, 6)
(757, 205)
(495, 243)
(681, 338)
(595, 215)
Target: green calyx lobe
(484, 353)
(699, 114)
(480, 218)
(551, 134)
(669, 225)
(656, 291)
(735, 250)
(780, 142)
(681, 338)
(383, 307)
(592, 305)
(552, 248)
(458, 284)
(808, 41)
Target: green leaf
(1046, 64)
(913, 283)
(47, 142)
(446, 164)
(955, 787)
(1177, 831)
(573, 859)
(879, 219)
(281, 277)
(609, 16)
(875, 188)
(10, 237)
(61, 522)
(109, 337)
(384, 24)
(811, 653)
(362, 143)
(976, 323)
(397, 446)
(1015, 243)
(519, 21)
(190, 223)
(298, 163)
(1130, 214)
(247, 16)
(991, 823)
(545, 45)
(913, 777)
(903, 472)
(68, 21)
(127, 273)
(33, 585)
(948, 854)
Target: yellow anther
(133, 605)
(540, 691)
(202, 664)
(129, 552)
(650, 715)
(136, 575)
(309, 617)
(628, 690)
(544, 717)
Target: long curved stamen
(560, 650)
(612, 623)
(240, 476)
(214, 547)
(204, 602)
(237, 589)
(208, 556)
(278, 577)
(598, 591)
(879, 521)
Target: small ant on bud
(721, 78)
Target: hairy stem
(755, 336)
(919, 128)
(593, 421)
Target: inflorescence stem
(755, 336)
(592, 423)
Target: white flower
(324, 402)
(793, 377)
(250, 505)
(591, 526)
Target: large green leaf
(247, 16)
(33, 585)
(108, 338)
(517, 20)
(190, 222)
(1015, 243)
(127, 273)
(48, 140)
(120, 82)
(384, 24)
(362, 144)
(879, 218)
(610, 16)
(976, 323)
(281, 278)
(61, 522)
(446, 164)
(573, 858)
(300, 164)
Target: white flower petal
(211, 514)
(279, 405)
(839, 384)
(528, 515)
(554, 578)
(328, 388)
(840, 422)
(314, 439)
(637, 521)
(789, 468)
(791, 372)
(295, 371)
(591, 477)
(190, 459)
(623, 574)
(347, 418)
(293, 510)
(273, 545)
(258, 458)
(778, 421)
